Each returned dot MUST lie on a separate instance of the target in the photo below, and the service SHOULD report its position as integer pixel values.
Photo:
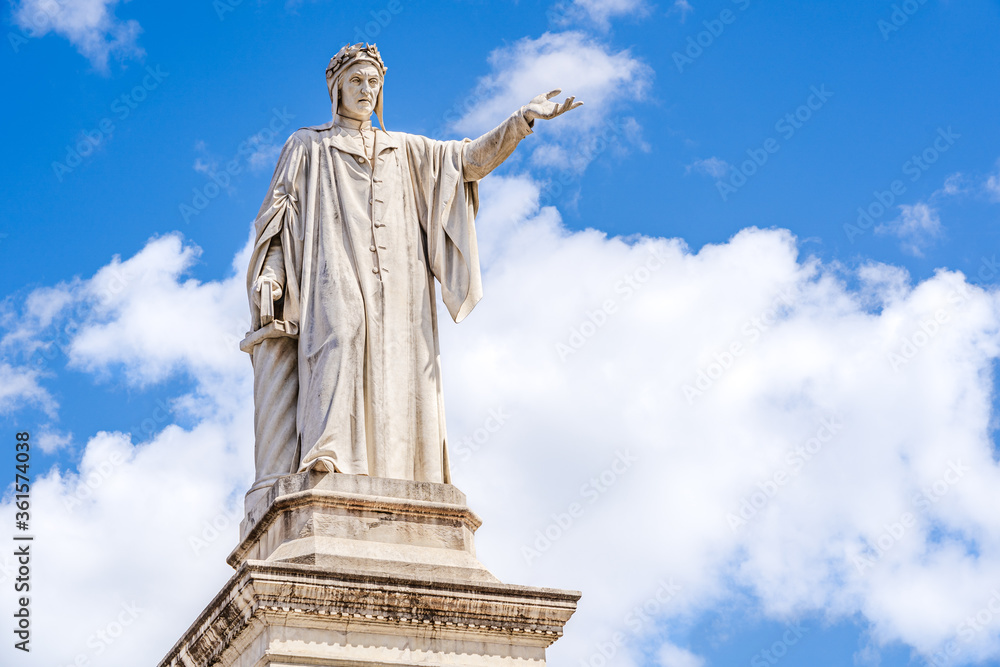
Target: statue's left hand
(542, 106)
(267, 276)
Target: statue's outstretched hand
(542, 106)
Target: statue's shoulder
(396, 139)
(315, 129)
(308, 135)
(400, 136)
(407, 138)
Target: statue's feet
(322, 464)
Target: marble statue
(357, 226)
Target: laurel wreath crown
(352, 53)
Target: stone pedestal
(348, 571)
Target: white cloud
(50, 440)
(138, 517)
(861, 399)
(639, 335)
(144, 312)
(713, 166)
(607, 81)
(918, 227)
(37, 313)
(89, 25)
(19, 387)
(134, 519)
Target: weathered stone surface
(349, 571)
(365, 525)
(288, 614)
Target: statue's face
(358, 91)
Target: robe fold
(362, 244)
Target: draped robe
(362, 242)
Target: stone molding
(264, 595)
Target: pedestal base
(347, 571)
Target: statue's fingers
(567, 105)
(552, 93)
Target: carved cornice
(262, 594)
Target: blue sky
(710, 127)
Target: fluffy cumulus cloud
(667, 430)
(141, 312)
(90, 25)
(131, 544)
(681, 428)
(607, 81)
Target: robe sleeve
(445, 176)
(446, 208)
(488, 152)
(279, 219)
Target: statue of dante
(356, 226)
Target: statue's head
(354, 79)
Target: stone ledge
(350, 502)
(416, 503)
(358, 485)
(317, 603)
